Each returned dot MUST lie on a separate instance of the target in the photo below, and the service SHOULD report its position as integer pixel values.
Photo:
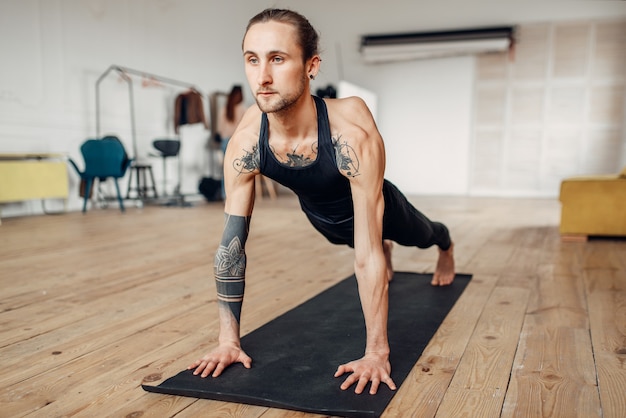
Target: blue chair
(104, 158)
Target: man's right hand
(219, 359)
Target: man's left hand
(370, 368)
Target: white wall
(52, 52)
(553, 110)
(425, 120)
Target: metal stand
(124, 73)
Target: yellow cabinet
(32, 176)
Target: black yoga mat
(295, 356)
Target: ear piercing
(311, 76)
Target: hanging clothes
(189, 109)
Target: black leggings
(406, 225)
(402, 223)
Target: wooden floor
(94, 305)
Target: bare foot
(444, 272)
(387, 246)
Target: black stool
(167, 148)
(141, 179)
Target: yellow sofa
(593, 205)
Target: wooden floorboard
(480, 381)
(93, 305)
(607, 306)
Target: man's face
(274, 67)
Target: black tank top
(323, 191)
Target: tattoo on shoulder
(347, 161)
(248, 162)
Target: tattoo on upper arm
(249, 162)
(347, 161)
(230, 264)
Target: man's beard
(283, 104)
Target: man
(330, 153)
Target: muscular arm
(240, 167)
(361, 158)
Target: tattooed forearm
(230, 264)
(249, 162)
(347, 161)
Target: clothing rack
(124, 72)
